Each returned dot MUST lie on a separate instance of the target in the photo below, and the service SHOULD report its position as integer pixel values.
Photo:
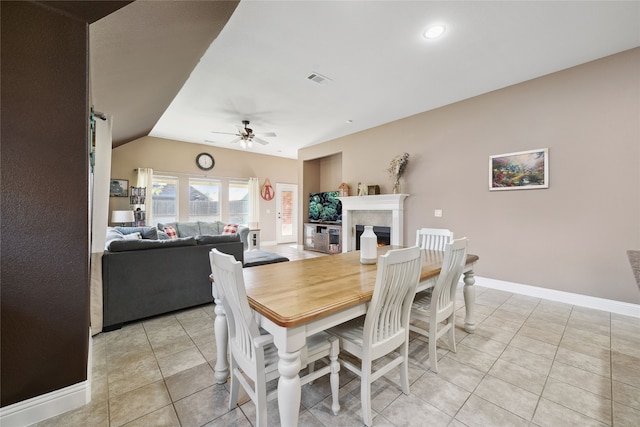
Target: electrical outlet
(437, 213)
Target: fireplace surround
(387, 208)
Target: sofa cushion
(186, 229)
(142, 244)
(208, 240)
(230, 229)
(161, 225)
(210, 228)
(170, 232)
(162, 235)
(145, 232)
(112, 234)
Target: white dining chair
(433, 238)
(253, 355)
(385, 327)
(433, 314)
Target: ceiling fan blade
(260, 141)
(235, 140)
(267, 134)
(224, 133)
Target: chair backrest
(433, 238)
(387, 319)
(444, 292)
(243, 330)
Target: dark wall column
(44, 250)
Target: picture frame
(119, 188)
(522, 170)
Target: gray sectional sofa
(148, 276)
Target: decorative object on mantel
(266, 191)
(373, 190)
(524, 170)
(368, 246)
(344, 190)
(362, 189)
(396, 170)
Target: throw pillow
(230, 229)
(171, 232)
(132, 236)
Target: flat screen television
(325, 207)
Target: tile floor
(531, 362)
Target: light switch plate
(437, 213)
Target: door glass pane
(204, 200)
(286, 228)
(164, 199)
(239, 202)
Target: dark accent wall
(44, 244)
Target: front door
(286, 213)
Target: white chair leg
(334, 378)
(311, 367)
(433, 355)
(235, 386)
(452, 333)
(404, 367)
(261, 403)
(365, 393)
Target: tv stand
(322, 237)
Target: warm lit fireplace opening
(383, 234)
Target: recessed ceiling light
(434, 31)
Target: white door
(286, 213)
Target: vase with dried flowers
(396, 169)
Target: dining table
(296, 299)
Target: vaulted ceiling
(186, 69)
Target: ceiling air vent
(318, 78)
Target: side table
(254, 238)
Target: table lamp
(122, 217)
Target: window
(204, 200)
(165, 199)
(239, 202)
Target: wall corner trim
(49, 405)
(618, 307)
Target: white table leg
(221, 370)
(289, 388)
(469, 301)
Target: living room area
(557, 299)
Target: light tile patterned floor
(531, 362)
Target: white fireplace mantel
(393, 203)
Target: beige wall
(571, 237)
(179, 157)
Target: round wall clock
(205, 161)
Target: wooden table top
(296, 292)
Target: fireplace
(380, 209)
(383, 234)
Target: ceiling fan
(246, 136)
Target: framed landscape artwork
(524, 170)
(119, 188)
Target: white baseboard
(49, 405)
(618, 307)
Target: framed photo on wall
(523, 170)
(119, 188)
